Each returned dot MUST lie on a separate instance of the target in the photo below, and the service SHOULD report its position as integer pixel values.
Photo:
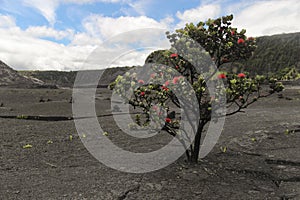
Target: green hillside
(274, 53)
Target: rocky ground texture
(257, 156)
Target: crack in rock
(131, 190)
(37, 118)
(282, 162)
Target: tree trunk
(195, 152)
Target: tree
(181, 78)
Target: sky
(69, 34)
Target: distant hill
(67, 79)
(11, 78)
(59, 78)
(274, 53)
(50, 79)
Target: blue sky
(61, 34)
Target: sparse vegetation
(27, 146)
(288, 73)
(22, 117)
(49, 142)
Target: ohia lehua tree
(183, 78)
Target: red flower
(166, 83)
(142, 93)
(141, 82)
(241, 41)
(168, 120)
(177, 67)
(174, 55)
(165, 88)
(175, 79)
(241, 75)
(232, 32)
(222, 76)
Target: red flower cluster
(141, 82)
(142, 93)
(241, 41)
(241, 75)
(165, 88)
(222, 76)
(175, 79)
(166, 83)
(232, 32)
(168, 120)
(174, 55)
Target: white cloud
(7, 21)
(259, 18)
(46, 8)
(82, 39)
(43, 31)
(269, 17)
(198, 14)
(23, 49)
(112, 56)
(140, 6)
(106, 27)
(126, 39)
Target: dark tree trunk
(195, 152)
